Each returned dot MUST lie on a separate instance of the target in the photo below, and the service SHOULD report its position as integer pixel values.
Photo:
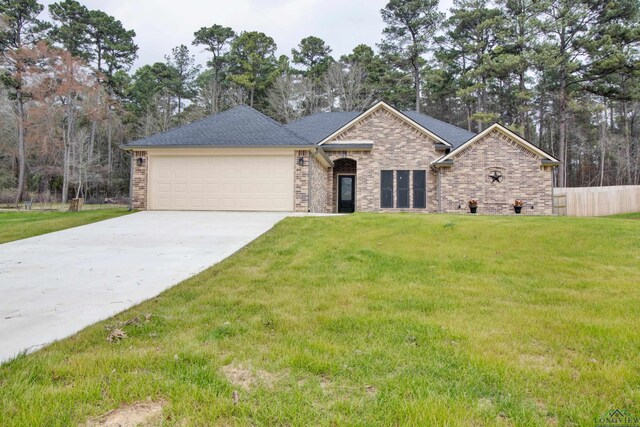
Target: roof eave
(443, 164)
(127, 147)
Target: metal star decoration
(496, 176)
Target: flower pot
(518, 209)
(473, 209)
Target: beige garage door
(235, 183)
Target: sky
(161, 25)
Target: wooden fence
(596, 201)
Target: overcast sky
(161, 25)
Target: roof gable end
(503, 130)
(383, 105)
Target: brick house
(380, 160)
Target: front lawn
(368, 319)
(20, 225)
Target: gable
(382, 107)
(380, 128)
(504, 135)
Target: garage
(223, 182)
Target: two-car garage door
(236, 183)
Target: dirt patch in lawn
(247, 378)
(138, 414)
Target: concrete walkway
(55, 285)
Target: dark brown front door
(346, 193)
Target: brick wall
(522, 178)
(140, 180)
(396, 146)
(301, 182)
(320, 186)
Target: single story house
(379, 160)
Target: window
(403, 189)
(419, 189)
(386, 189)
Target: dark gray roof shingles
(239, 126)
(244, 126)
(452, 134)
(318, 126)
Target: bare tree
(286, 97)
(347, 84)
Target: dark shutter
(386, 189)
(419, 189)
(403, 189)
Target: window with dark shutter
(386, 189)
(419, 189)
(403, 189)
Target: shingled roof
(244, 126)
(318, 126)
(238, 127)
(452, 134)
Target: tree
(20, 28)
(253, 60)
(216, 40)
(468, 50)
(101, 39)
(151, 95)
(347, 84)
(585, 43)
(71, 28)
(186, 71)
(314, 54)
(411, 25)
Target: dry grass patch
(248, 378)
(139, 414)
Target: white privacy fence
(596, 201)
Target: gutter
(154, 147)
(318, 152)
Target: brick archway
(343, 167)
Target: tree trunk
(109, 151)
(22, 152)
(603, 145)
(251, 97)
(416, 85)
(627, 142)
(67, 137)
(562, 131)
(522, 114)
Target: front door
(346, 193)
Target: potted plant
(473, 205)
(517, 205)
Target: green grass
(370, 319)
(633, 215)
(20, 225)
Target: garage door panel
(221, 183)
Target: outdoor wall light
(300, 161)
(140, 161)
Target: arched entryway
(344, 185)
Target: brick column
(140, 179)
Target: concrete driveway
(55, 285)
